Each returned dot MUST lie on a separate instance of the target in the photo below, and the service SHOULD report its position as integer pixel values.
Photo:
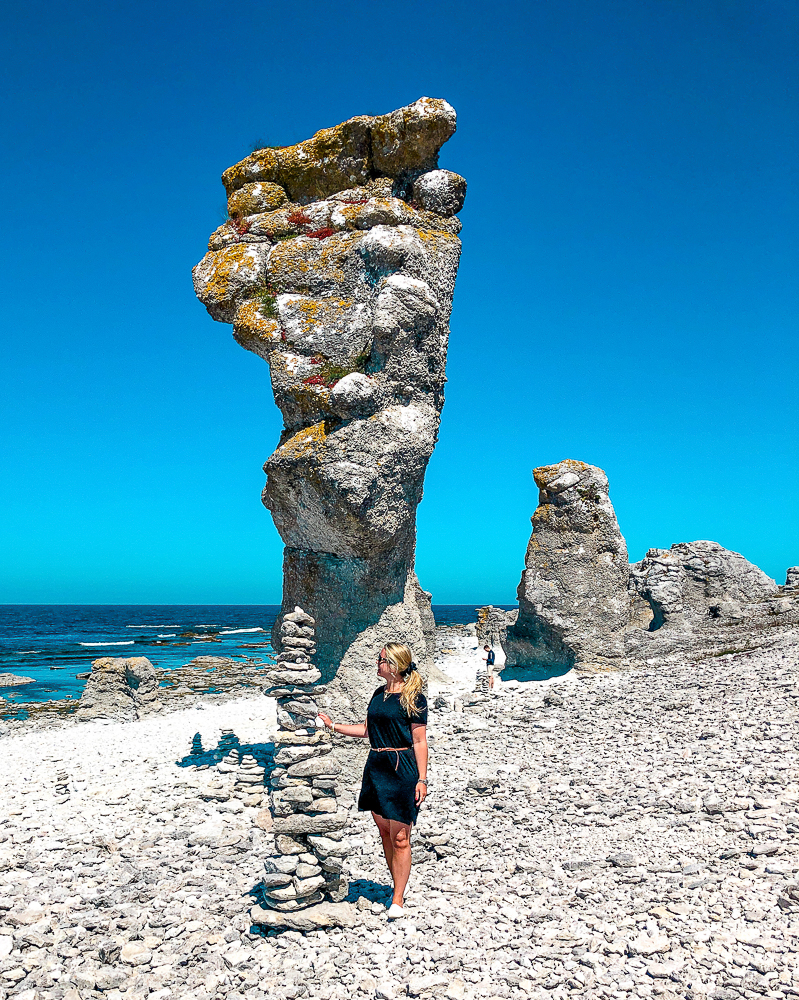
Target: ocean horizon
(53, 643)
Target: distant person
(395, 777)
(490, 659)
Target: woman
(395, 776)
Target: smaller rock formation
(695, 581)
(308, 821)
(492, 625)
(791, 578)
(119, 688)
(573, 600)
(13, 680)
(704, 597)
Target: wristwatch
(423, 780)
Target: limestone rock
(573, 600)
(492, 625)
(119, 688)
(346, 292)
(792, 577)
(704, 597)
(440, 191)
(12, 680)
(310, 919)
(697, 580)
(251, 199)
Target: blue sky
(627, 293)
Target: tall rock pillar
(573, 602)
(337, 266)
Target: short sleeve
(419, 717)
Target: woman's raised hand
(326, 719)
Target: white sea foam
(236, 631)
(167, 635)
(25, 652)
(129, 643)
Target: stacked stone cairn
(249, 783)
(308, 821)
(62, 787)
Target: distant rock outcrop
(337, 267)
(704, 597)
(492, 625)
(119, 688)
(693, 582)
(580, 604)
(573, 601)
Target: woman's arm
(419, 733)
(358, 730)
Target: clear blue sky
(627, 293)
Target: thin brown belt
(396, 750)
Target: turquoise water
(53, 642)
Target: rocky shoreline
(620, 834)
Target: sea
(55, 643)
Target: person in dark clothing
(490, 659)
(395, 777)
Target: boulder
(312, 918)
(346, 292)
(573, 599)
(119, 688)
(704, 599)
(695, 581)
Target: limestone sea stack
(573, 600)
(119, 688)
(337, 266)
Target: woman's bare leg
(384, 828)
(400, 836)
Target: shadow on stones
(198, 756)
(535, 672)
(361, 888)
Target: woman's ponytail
(401, 659)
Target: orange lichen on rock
(254, 198)
(352, 153)
(253, 331)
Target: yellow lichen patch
(252, 199)
(316, 312)
(302, 445)
(225, 272)
(253, 331)
(303, 262)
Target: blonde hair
(401, 659)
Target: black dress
(390, 776)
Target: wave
(167, 635)
(153, 626)
(130, 643)
(236, 631)
(28, 652)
